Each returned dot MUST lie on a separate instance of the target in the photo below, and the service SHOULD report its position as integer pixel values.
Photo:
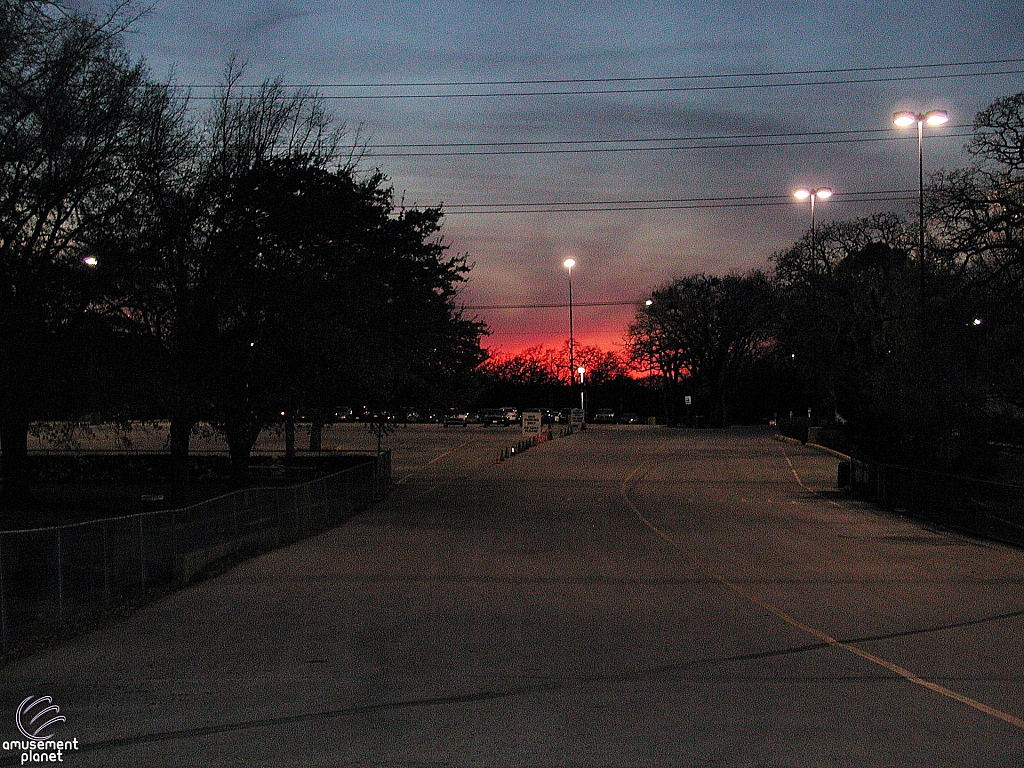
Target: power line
(557, 306)
(584, 146)
(621, 91)
(667, 89)
(727, 198)
(658, 204)
(722, 144)
(549, 142)
(648, 79)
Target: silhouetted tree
(71, 111)
(276, 275)
(706, 330)
(979, 214)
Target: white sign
(576, 418)
(688, 400)
(531, 422)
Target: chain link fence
(51, 576)
(992, 510)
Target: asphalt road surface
(629, 596)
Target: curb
(816, 446)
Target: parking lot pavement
(621, 597)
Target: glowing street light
(905, 119)
(581, 371)
(821, 193)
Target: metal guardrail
(992, 510)
(50, 576)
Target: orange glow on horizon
(609, 341)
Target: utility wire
(667, 89)
(648, 79)
(583, 146)
(550, 142)
(831, 139)
(665, 204)
(722, 199)
(557, 306)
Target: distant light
(978, 321)
(822, 193)
(90, 261)
(649, 302)
(904, 119)
(935, 117)
(569, 263)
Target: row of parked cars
(508, 415)
(504, 416)
(608, 416)
(485, 416)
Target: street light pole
(905, 119)
(821, 193)
(569, 264)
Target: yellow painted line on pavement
(818, 634)
(434, 460)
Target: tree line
(541, 377)
(917, 355)
(220, 263)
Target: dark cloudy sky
(495, 108)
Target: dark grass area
(74, 488)
(80, 487)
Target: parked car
(629, 418)
(456, 419)
(502, 416)
(604, 416)
(342, 413)
(563, 416)
(490, 416)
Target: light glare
(569, 263)
(904, 119)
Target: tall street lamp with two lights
(905, 119)
(569, 264)
(821, 193)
